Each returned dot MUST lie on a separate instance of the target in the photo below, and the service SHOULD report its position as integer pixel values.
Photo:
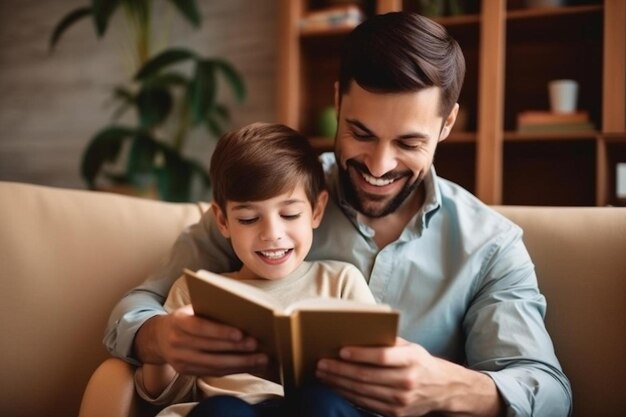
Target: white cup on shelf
(563, 95)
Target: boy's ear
(318, 210)
(220, 218)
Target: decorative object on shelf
(535, 121)
(341, 16)
(620, 180)
(563, 95)
(327, 122)
(169, 103)
(437, 8)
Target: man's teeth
(274, 254)
(379, 182)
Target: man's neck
(388, 229)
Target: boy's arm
(154, 379)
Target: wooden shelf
(511, 53)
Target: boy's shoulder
(335, 271)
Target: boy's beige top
(332, 279)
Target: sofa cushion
(66, 258)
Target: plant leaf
(104, 147)
(202, 91)
(169, 79)
(189, 9)
(162, 60)
(222, 111)
(67, 21)
(154, 105)
(141, 158)
(102, 11)
(232, 77)
(214, 127)
(174, 178)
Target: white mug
(563, 96)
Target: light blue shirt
(459, 274)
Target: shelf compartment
(549, 173)
(542, 49)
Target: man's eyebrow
(410, 135)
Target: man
(473, 341)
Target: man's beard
(359, 199)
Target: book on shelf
(333, 17)
(557, 127)
(535, 121)
(295, 337)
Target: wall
(51, 104)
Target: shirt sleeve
(507, 338)
(200, 246)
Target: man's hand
(405, 380)
(197, 346)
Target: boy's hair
(400, 52)
(261, 161)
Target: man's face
(385, 145)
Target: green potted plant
(172, 92)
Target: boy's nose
(271, 231)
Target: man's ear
(220, 218)
(318, 210)
(447, 126)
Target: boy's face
(386, 143)
(271, 237)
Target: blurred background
(52, 103)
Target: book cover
(536, 117)
(556, 127)
(295, 337)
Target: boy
(269, 195)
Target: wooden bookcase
(512, 51)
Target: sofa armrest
(110, 391)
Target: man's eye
(291, 216)
(361, 135)
(247, 220)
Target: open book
(296, 337)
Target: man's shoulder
(462, 207)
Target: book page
(334, 304)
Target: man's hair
(262, 161)
(402, 52)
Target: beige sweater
(312, 279)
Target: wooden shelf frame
(487, 141)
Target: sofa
(67, 256)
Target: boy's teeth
(275, 254)
(379, 182)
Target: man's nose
(382, 160)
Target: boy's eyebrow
(410, 135)
(252, 205)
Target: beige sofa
(66, 256)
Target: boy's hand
(405, 380)
(197, 346)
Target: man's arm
(139, 318)
(510, 359)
